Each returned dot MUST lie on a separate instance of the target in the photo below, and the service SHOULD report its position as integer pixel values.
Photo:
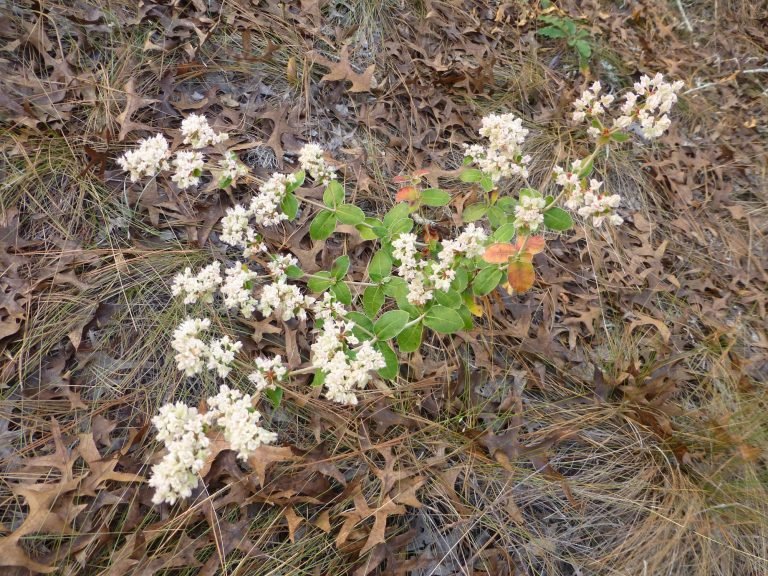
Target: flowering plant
(418, 277)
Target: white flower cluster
(591, 103)
(328, 308)
(503, 157)
(191, 351)
(193, 354)
(265, 206)
(280, 263)
(264, 209)
(221, 355)
(183, 430)
(528, 213)
(198, 133)
(231, 167)
(411, 268)
(284, 300)
(234, 413)
(200, 286)
(648, 105)
(424, 276)
(189, 168)
(586, 197)
(237, 289)
(470, 243)
(345, 370)
(269, 371)
(312, 161)
(147, 160)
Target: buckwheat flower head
(503, 157)
(591, 103)
(328, 308)
(269, 372)
(280, 262)
(265, 206)
(200, 286)
(182, 430)
(192, 352)
(198, 133)
(235, 414)
(189, 168)
(649, 105)
(600, 207)
(312, 161)
(411, 268)
(235, 226)
(231, 167)
(147, 160)
(237, 289)
(528, 212)
(221, 355)
(284, 300)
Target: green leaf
(274, 396)
(620, 136)
(342, 292)
(496, 216)
(474, 212)
(389, 372)
(435, 197)
(487, 280)
(363, 326)
(551, 32)
(294, 272)
(451, 298)
(443, 320)
(350, 214)
(318, 380)
(395, 287)
(300, 175)
(529, 193)
(366, 228)
(290, 205)
(400, 210)
(460, 281)
(380, 266)
(583, 47)
(504, 233)
(320, 281)
(557, 219)
(373, 300)
(340, 267)
(333, 195)
(390, 324)
(409, 340)
(486, 183)
(466, 316)
(226, 181)
(507, 203)
(471, 175)
(401, 226)
(323, 225)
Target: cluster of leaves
(574, 34)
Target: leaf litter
(616, 393)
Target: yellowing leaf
(521, 275)
(499, 253)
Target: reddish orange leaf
(521, 275)
(499, 253)
(407, 194)
(533, 244)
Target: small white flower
(234, 413)
(528, 212)
(198, 133)
(231, 167)
(221, 355)
(200, 286)
(312, 161)
(189, 167)
(269, 372)
(147, 160)
(265, 206)
(192, 352)
(284, 300)
(237, 289)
